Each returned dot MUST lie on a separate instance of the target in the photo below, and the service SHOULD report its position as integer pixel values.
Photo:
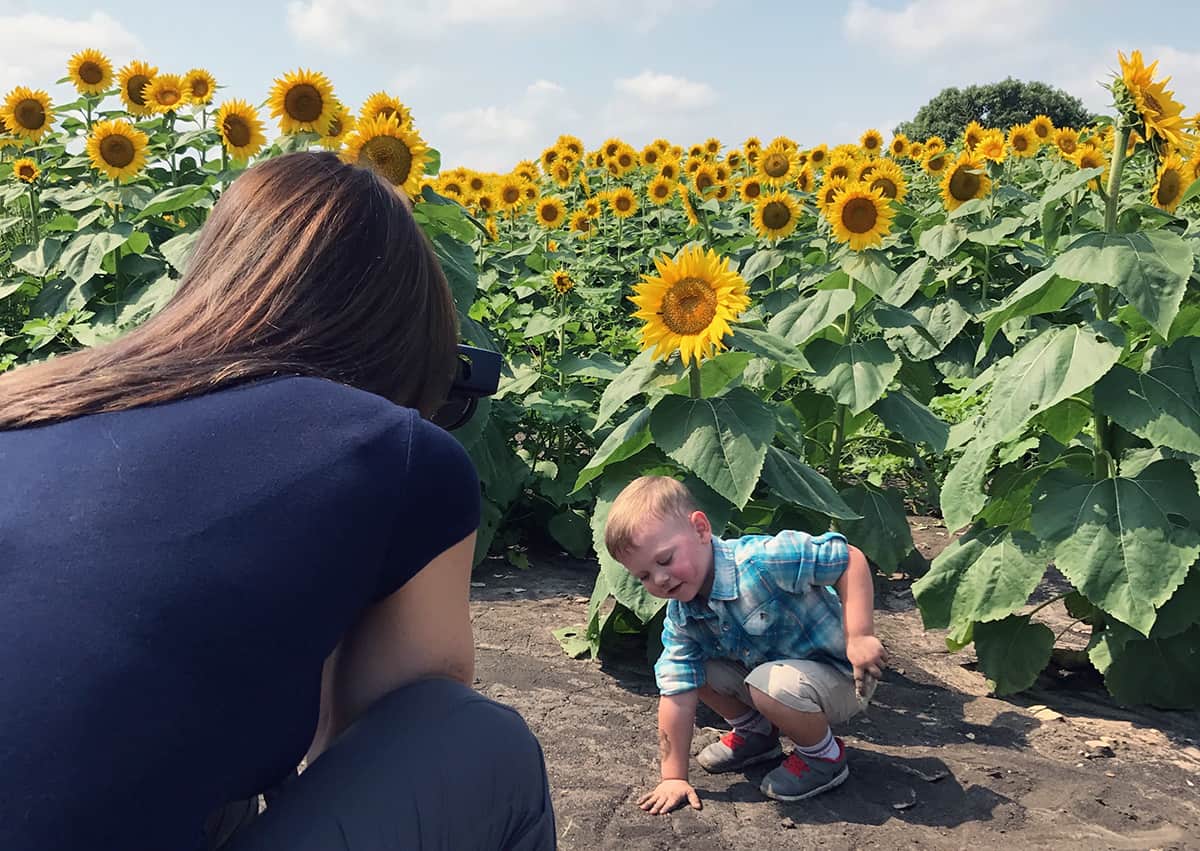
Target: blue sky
(492, 81)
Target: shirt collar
(725, 583)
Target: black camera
(478, 375)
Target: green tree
(1000, 105)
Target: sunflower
(669, 169)
(660, 190)
(662, 144)
(935, 164)
(6, 138)
(818, 156)
(964, 179)
(27, 112)
(916, 152)
(583, 182)
(696, 151)
(1043, 128)
(548, 158)
(133, 79)
(1092, 156)
(562, 172)
(733, 159)
(25, 170)
(850, 150)
(972, 135)
(651, 155)
(593, 208)
(805, 179)
(626, 159)
(476, 182)
(860, 216)
(572, 144)
(610, 147)
(381, 103)
(581, 224)
(888, 178)
(778, 166)
(693, 165)
(1066, 140)
(802, 158)
(752, 143)
(842, 167)
(1171, 183)
(339, 127)
(623, 202)
(688, 210)
(492, 228)
(1159, 112)
(898, 147)
(1022, 141)
(689, 306)
(705, 180)
(199, 85)
(395, 151)
(117, 149)
(450, 185)
(723, 192)
(992, 146)
(240, 128)
(303, 102)
(527, 170)
(90, 72)
(776, 215)
(871, 142)
(562, 281)
(487, 203)
(751, 189)
(830, 187)
(550, 212)
(165, 93)
(510, 192)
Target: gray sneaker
(733, 752)
(796, 778)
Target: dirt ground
(936, 763)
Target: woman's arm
(421, 630)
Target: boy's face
(673, 557)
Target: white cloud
(407, 80)
(663, 91)
(489, 124)
(930, 26)
(496, 137)
(37, 46)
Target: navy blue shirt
(172, 578)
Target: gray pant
(433, 765)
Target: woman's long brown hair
(307, 266)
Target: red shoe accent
(732, 740)
(796, 765)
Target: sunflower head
(562, 172)
(1171, 183)
(965, 179)
(622, 202)
(733, 159)
(751, 189)
(705, 180)
(25, 170)
(550, 212)
(1043, 128)
(394, 151)
(165, 93)
(935, 164)
(778, 166)
(887, 178)
(626, 159)
(562, 281)
(935, 143)
(117, 149)
(381, 103)
(572, 145)
(303, 102)
(843, 167)
(1151, 106)
(669, 169)
(1066, 139)
(689, 305)
(27, 112)
(1092, 156)
(340, 125)
(898, 147)
(817, 156)
(133, 79)
(592, 207)
(972, 135)
(660, 190)
(805, 181)
(916, 151)
(199, 85)
(240, 128)
(871, 142)
(1022, 141)
(752, 143)
(860, 216)
(775, 215)
(831, 187)
(581, 224)
(510, 192)
(992, 146)
(90, 71)
(651, 155)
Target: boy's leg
(753, 738)
(802, 698)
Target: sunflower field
(1003, 328)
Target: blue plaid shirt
(770, 599)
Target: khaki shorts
(802, 684)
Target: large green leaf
(1012, 652)
(940, 319)
(791, 479)
(962, 492)
(986, 575)
(1125, 542)
(716, 373)
(1045, 292)
(915, 275)
(940, 241)
(169, 200)
(801, 321)
(1150, 268)
(871, 268)
(81, 259)
(1161, 404)
(1164, 672)
(640, 376)
(768, 345)
(882, 533)
(37, 260)
(570, 528)
(913, 421)
(722, 440)
(1070, 183)
(761, 262)
(624, 441)
(457, 260)
(1049, 368)
(854, 374)
(178, 249)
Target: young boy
(753, 630)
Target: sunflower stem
(33, 216)
(696, 389)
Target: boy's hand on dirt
(868, 657)
(668, 795)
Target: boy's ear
(700, 523)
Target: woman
(234, 521)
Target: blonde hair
(645, 498)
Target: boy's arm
(676, 720)
(857, 593)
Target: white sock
(752, 722)
(827, 748)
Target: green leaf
(722, 440)
(800, 321)
(792, 480)
(1191, 192)
(716, 373)
(882, 533)
(544, 323)
(146, 300)
(986, 575)
(457, 260)
(1064, 187)
(1056, 364)
(1182, 610)
(913, 421)
(962, 492)
(870, 268)
(570, 528)
(638, 377)
(1066, 419)
(522, 380)
(996, 233)
(769, 346)
(574, 641)
(854, 374)
(1125, 542)
(1150, 268)
(1045, 292)
(595, 365)
(1163, 672)
(1012, 652)
(37, 260)
(941, 320)
(915, 276)
(1161, 404)
(178, 249)
(81, 259)
(760, 263)
(170, 200)
(940, 241)
(624, 441)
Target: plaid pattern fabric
(770, 599)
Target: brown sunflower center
(563, 283)
(964, 185)
(650, 157)
(1042, 130)
(199, 87)
(840, 170)
(867, 171)
(549, 157)
(611, 150)
(871, 143)
(704, 181)
(661, 190)
(135, 89)
(689, 306)
(169, 97)
(548, 212)
(91, 73)
(389, 156)
(937, 163)
(476, 184)
(583, 224)
(1020, 143)
(972, 139)
(829, 194)
(803, 183)
(625, 161)
(817, 157)
(303, 103)
(859, 215)
(1168, 187)
(117, 151)
(898, 147)
(776, 215)
(886, 185)
(623, 203)
(335, 127)
(776, 165)
(1067, 145)
(25, 171)
(511, 194)
(753, 189)
(30, 114)
(237, 131)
